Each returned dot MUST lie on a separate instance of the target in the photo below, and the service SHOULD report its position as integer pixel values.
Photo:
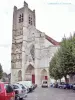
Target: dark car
(64, 85)
(56, 85)
(71, 86)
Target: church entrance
(30, 74)
(44, 75)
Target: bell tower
(23, 18)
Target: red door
(33, 79)
(46, 78)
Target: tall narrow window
(21, 18)
(30, 20)
(32, 51)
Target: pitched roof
(52, 40)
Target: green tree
(54, 68)
(1, 71)
(63, 62)
(67, 56)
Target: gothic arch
(43, 74)
(30, 73)
(30, 69)
(19, 75)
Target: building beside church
(32, 49)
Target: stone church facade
(32, 49)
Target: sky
(54, 17)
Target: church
(32, 49)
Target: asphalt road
(51, 94)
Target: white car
(20, 91)
(44, 83)
(28, 84)
(27, 88)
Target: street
(51, 94)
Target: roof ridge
(54, 42)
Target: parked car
(61, 85)
(71, 86)
(64, 85)
(34, 86)
(51, 84)
(28, 84)
(6, 92)
(44, 83)
(20, 91)
(55, 85)
(27, 88)
(74, 86)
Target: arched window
(44, 75)
(32, 51)
(40, 35)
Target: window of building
(32, 51)
(30, 20)
(40, 35)
(29, 17)
(21, 18)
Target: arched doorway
(19, 75)
(30, 74)
(44, 75)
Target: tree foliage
(54, 69)
(67, 56)
(63, 62)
